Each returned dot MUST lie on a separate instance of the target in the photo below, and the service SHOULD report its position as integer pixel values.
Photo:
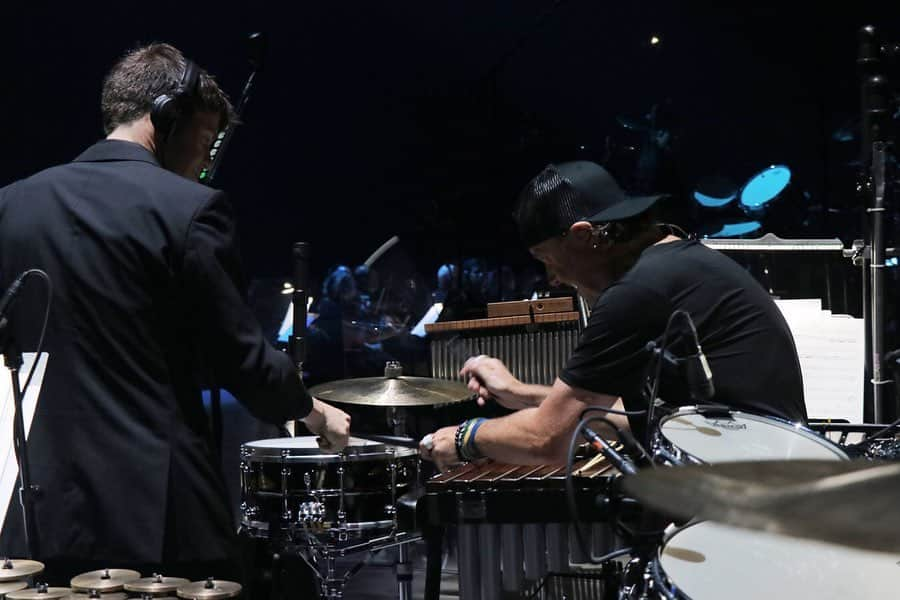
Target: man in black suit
(147, 295)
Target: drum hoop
(784, 423)
(272, 454)
(668, 537)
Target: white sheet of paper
(10, 468)
(831, 349)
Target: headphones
(167, 108)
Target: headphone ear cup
(162, 114)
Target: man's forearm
(530, 394)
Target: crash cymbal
(104, 580)
(850, 503)
(12, 586)
(12, 569)
(157, 585)
(211, 589)
(41, 592)
(392, 391)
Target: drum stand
(322, 559)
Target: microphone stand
(873, 183)
(12, 356)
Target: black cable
(876, 435)
(658, 374)
(615, 411)
(622, 432)
(40, 345)
(570, 483)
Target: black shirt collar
(113, 150)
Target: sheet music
(831, 349)
(10, 469)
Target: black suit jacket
(146, 295)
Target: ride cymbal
(850, 503)
(211, 589)
(104, 580)
(12, 569)
(392, 391)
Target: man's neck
(138, 132)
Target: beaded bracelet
(466, 449)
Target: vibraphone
(532, 337)
(514, 524)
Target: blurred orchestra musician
(635, 273)
(147, 294)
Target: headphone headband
(167, 108)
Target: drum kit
(108, 584)
(763, 508)
(322, 506)
(739, 211)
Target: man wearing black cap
(589, 234)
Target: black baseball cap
(570, 192)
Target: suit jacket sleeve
(229, 336)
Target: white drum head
(306, 448)
(709, 561)
(744, 437)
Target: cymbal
(104, 580)
(156, 585)
(211, 589)
(95, 595)
(12, 586)
(12, 569)
(41, 592)
(850, 503)
(392, 391)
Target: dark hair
(149, 71)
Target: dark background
(424, 119)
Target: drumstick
(393, 440)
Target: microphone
(696, 370)
(11, 292)
(600, 445)
(301, 281)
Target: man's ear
(581, 230)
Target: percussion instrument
(103, 580)
(41, 592)
(13, 569)
(12, 586)
(211, 589)
(513, 521)
(716, 434)
(291, 485)
(706, 561)
(761, 189)
(852, 503)
(157, 585)
(533, 338)
(400, 391)
(95, 595)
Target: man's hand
(489, 378)
(331, 424)
(440, 448)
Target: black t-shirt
(748, 344)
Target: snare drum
(690, 436)
(707, 561)
(291, 485)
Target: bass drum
(700, 435)
(710, 561)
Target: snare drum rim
(783, 423)
(369, 452)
